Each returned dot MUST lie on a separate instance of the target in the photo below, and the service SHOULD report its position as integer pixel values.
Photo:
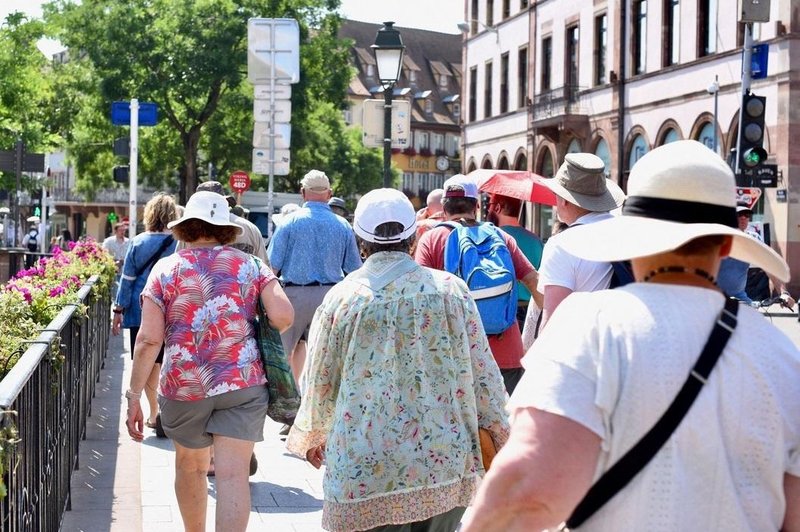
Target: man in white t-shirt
(583, 196)
(117, 244)
(611, 363)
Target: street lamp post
(388, 50)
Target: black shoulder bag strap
(616, 478)
(157, 255)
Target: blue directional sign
(121, 113)
(759, 61)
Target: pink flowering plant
(31, 300)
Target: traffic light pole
(747, 71)
(20, 153)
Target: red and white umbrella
(519, 184)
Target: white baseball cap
(381, 206)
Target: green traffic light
(37, 211)
(754, 157)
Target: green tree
(189, 56)
(25, 91)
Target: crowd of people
(422, 340)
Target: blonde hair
(159, 211)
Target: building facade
(430, 82)
(621, 77)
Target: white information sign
(282, 136)
(282, 92)
(283, 110)
(261, 162)
(373, 123)
(273, 50)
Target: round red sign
(239, 181)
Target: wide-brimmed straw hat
(581, 179)
(676, 193)
(207, 206)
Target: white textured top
(561, 268)
(614, 360)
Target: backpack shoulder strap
(627, 467)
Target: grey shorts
(239, 414)
(305, 300)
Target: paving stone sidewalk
(124, 486)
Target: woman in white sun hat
(200, 303)
(610, 364)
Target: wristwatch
(117, 310)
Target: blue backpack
(478, 254)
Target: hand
(116, 324)
(135, 420)
(787, 300)
(316, 455)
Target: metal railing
(108, 195)
(557, 102)
(45, 400)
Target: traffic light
(751, 152)
(121, 174)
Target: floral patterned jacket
(400, 377)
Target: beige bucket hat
(581, 180)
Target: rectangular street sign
(283, 111)
(273, 50)
(759, 61)
(261, 162)
(121, 113)
(282, 136)
(33, 162)
(765, 176)
(373, 123)
(282, 92)
(8, 161)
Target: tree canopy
(189, 57)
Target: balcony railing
(566, 100)
(45, 400)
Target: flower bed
(31, 300)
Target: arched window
(670, 136)
(487, 163)
(546, 164)
(604, 153)
(706, 136)
(521, 163)
(574, 146)
(638, 149)
(502, 164)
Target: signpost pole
(134, 166)
(271, 129)
(43, 242)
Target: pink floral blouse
(208, 296)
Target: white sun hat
(381, 206)
(209, 207)
(676, 193)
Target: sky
(435, 15)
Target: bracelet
(130, 394)
(116, 311)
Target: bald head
(434, 201)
